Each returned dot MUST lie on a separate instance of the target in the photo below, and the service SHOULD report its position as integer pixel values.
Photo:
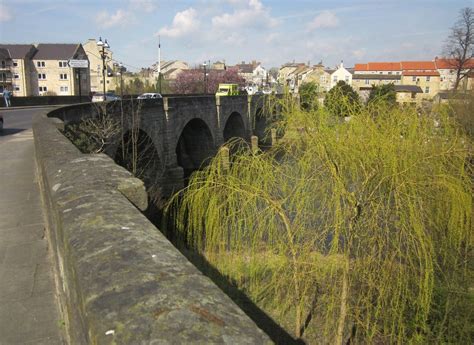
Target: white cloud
(5, 14)
(106, 20)
(253, 14)
(143, 5)
(325, 19)
(358, 53)
(184, 23)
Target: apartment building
(16, 68)
(428, 81)
(43, 69)
(52, 73)
(95, 67)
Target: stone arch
(234, 127)
(138, 154)
(195, 146)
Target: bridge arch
(195, 146)
(138, 154)
(234, 127)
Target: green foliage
(383, 93)
(362, 225)
(309, 95)
(342, 100)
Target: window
(16, 88)
(335, 78)
(390, 72)
(63, 76)
(413, 95)
(15, 64)
(428, 78)
(63, 64)
(413, 78)
(40, 64)
(41, 76)
(42, 89)
(367, 82)
(64, 89)
(3, 64)
(427, 89)
(347, 78)
(16, 76)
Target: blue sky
(273, 32)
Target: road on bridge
(28, 306)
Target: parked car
(99, 97)
(149, 95)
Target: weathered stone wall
(119, 280)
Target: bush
(342, 100)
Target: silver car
(149, 95)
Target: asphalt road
(28, 307)
(16, 121)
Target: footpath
(28, 306)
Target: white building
(341, 74)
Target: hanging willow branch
(362, 225)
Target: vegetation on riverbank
(356, 229)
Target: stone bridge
(178, 134)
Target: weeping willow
(355, 229)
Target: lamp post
(205, 78)
(103, 54)
(121, 80)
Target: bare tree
(460, 45)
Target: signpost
(79, 64)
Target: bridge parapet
(119, 280)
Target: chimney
(342, 64)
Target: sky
(272, 32)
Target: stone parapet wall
(119, 280)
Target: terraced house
(414, 80)
(43, 69)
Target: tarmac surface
(28, 305)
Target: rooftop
(55, 51)
(18, 51)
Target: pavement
(28, 306)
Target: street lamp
(121, 80)
(103, 54)
(205, 79)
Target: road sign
(78, 63)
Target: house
(253, 72)
(93, 53)
(428, 81)
(339, 74)
(319, 75)
(286, 70)
(53, 75)
(374, 74)
(218, 65)
(16, 68)
(422, 74)
(169, 69)
(408, 93)
(447, 69)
